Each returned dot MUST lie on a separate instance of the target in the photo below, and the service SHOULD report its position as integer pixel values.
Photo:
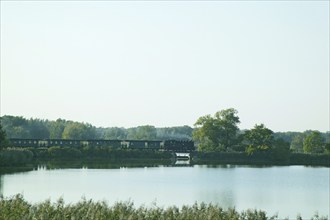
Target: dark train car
(64, 143)
(168, 145)
(136, 144)
(154, 145)
(179, 146)
(17, 142)
(104, 143)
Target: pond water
(286, 190)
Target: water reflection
(287, 190)
(225, 197)
(182, 163)
(105, 164)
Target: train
(165, 145)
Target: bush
(15, 156)
(64, 152)
(310, 159)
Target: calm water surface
(285, 190)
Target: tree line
(20, 127)
(218, 133)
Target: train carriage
(179, 146)
(168, 145)
(105, 143)
(17, 142)
(137, 144)
(154, 145)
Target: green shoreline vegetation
(16, 207)
(217, 138)
(106, 157)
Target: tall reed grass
(17, 207)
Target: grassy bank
(18, 208)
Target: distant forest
(20, 127)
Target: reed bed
(17, 207)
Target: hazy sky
(166, 63)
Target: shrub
(15, 156)
(64, 152)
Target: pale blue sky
(166, 63)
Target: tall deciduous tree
(146, 132)
(114, 133)
(56, 128)
(258, 138)
(218, 133)
(313, 143)
(297, 143)
(78, 130)
(37, 129)
(3, 138)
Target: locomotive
(166, 145)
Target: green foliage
(175, 133)
(15, 127)
(259, 138)
(327, 148)
(280, 150)
(114, 133)
(313, 143)
(146, 132)
(56, 128)
(17, 208)
(217, 133)
(80, 131)
(64, 152)
(15, 156)
(19, 127)
(297, 143)
(38, 129)
(3, 138)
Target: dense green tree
(280, 150)
(175, 133)
(56, 128)
(114, 133)
(3, 138)
(131, 133)
(258, 138)
(327, 148)
(146, 132)
(218, 133)
(313, 143)
(15, 127)
(286, 136)
(76, 130)
(37, 129)
(297, 143)
(326, 136)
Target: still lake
(286, 190)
